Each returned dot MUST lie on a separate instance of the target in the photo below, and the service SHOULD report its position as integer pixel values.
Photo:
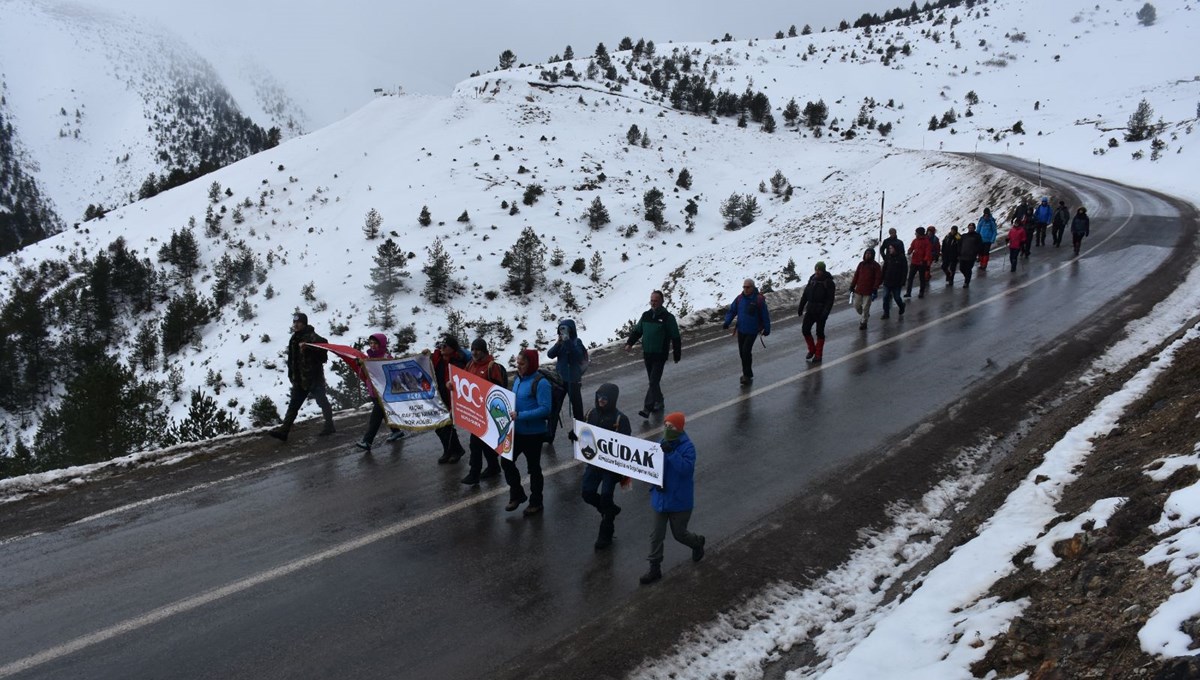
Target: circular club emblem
(587, 444)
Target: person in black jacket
(815, 306)
(1061, 217)
(950, 247)
(306, 371)
(969, 248)
(451, 354)
(599, 484)
(895, 270)
(659, 333)
(1080, 226)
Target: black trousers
(655, 363)
(745, 349)
(530, 446)
(966, 267)
(480, 452)
(807, 325)
(917, 270)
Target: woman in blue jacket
(987, 232)
(568, 351)
(532, 409)
(673, 501)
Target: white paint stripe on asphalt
(189, 604)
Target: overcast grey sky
(332, 54)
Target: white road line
(189, 604)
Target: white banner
(629, 456)
(407, 390)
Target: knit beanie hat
(820, 266)
(676, 420)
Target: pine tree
(634, 135)
(652, 202)
(389, 271)
(597, 214)
(568, 54)
(791, 112)
(815, 114)
(525, 263)
(1139, 123)
(778, 182)
(373, 224)
(205, 420)
(532, 192)
(597, 267)
(425, 219)
(684, 179)
(440, 285)
(186, 314)
(263, 412)
(768, 124)
(214, 192)
(1147, 15)
(507, 59)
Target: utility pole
(882, 196)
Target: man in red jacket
(920, 253)
(864, 287)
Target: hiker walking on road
(987, 232)
(969, 248)
(895, 268)
(815, 305)
(659, 334)
(1042, 217)
(1017, 240)
(570, 353)
(599, 484)
(920, 256)
(750, 310)
(483, 365)
(1080, 227)
(529, 429)
(673, 502)
(950, 249)
(306, 371)
(449, 352)
(1061, 217)
(864, 286)
(376, 349)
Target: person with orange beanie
(673, 501)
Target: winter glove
(874, 294)
(766, 333)
(677, 357)
(572, 436)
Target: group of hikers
(540, 392)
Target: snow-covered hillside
(1072, 83)
(98, 101)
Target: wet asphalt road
(320, 562)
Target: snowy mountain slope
(99, 101)
(501, 132)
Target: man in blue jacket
(750, 309)
(568, 351)
(531, 410)
(672, 503)
(1042, 217)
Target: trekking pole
(764, 342)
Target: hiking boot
(816, 360)
(886, 316)
(604, 538)
(654, 574)
(445, 458)
(363, 445)
(698, 551)
(901, 311)
(966, 284)
(515, 503)
(489, 473)
(472, 479)
(811, 354)
(279, 434)
(395, 436)
(455, 457)
(532, 510)
(862, 326)
(644, 413)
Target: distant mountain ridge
(104, 110)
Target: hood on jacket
(610, 392)
(380, 338)
(869, 254)
(531, 359)
(570, 326)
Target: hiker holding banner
(673, 500)
(483, 365)
(532, 397)
(600, 483)
(449, 353)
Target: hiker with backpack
(895, 268)
(815, 305)
(1018, 240)
(659, 333)
(987, 232)
(448, 352)
(950, 248)
(572, 362)
(864, 287)
(599, 484)
(920, 253)
(1080, 226)
(532, 409)
(483, 365)
(1042, 217)
(306, 371)
(1061, 217)
(969, 247)
(750, 310)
